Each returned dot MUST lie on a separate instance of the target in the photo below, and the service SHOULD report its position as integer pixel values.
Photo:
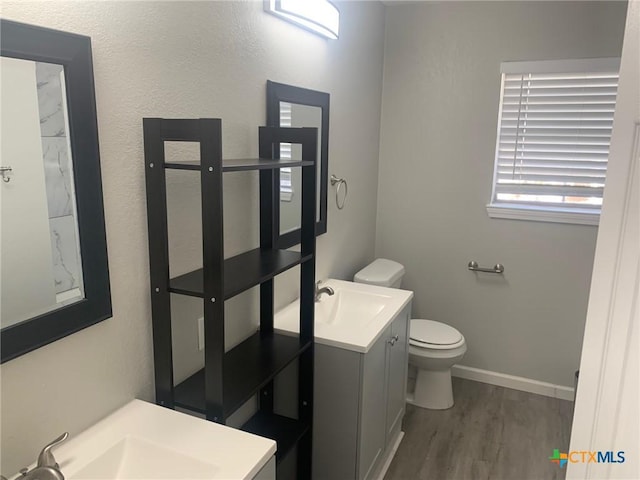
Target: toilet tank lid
(434, 333)
(381, 272)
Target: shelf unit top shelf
(247, 368)
(241, 164)
(240, 272)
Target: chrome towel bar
(497, 268)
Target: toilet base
(433, 390)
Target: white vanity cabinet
(268, 472)
(359, 403)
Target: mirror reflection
(40, 256)
(289, 106)
(296, 115)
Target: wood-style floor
(490, 433)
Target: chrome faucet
(41, 473)
(47, 468)
(319, 291)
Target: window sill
(543, 214)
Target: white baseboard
(390, 454)
(511, 381)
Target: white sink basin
(348, 305)
(353, 318)
(134, 458)
(145, 441)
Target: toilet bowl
(434, 347)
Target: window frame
(532, 211)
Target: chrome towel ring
(340, 182)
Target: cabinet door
(373, 407)
(397, 358)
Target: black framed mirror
(289, 106)
(55, 278)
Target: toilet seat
(434, 335)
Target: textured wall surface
(190, 59)
(438, 133)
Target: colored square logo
(558, 458)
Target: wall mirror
(289, 106)
(54, 276)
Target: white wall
(189, 59)
(440, 107)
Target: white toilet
(434, 347)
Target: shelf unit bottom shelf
(284, 430)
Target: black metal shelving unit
(229, 379)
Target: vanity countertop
(353, 318)
(144, 440)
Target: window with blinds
(286, 185)
(554, 130)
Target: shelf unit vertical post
(159, 256)
(268, 228)
(309, 139)
(213, 263)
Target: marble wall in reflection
(58, 177)
(50, 99)
(66, 270)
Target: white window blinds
(286, 185)
(554, 130)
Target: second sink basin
(353, 318)
(349, 305)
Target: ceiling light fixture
(318, 16)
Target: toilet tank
(381, 272)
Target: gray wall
(190, 59)
(440, 107)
